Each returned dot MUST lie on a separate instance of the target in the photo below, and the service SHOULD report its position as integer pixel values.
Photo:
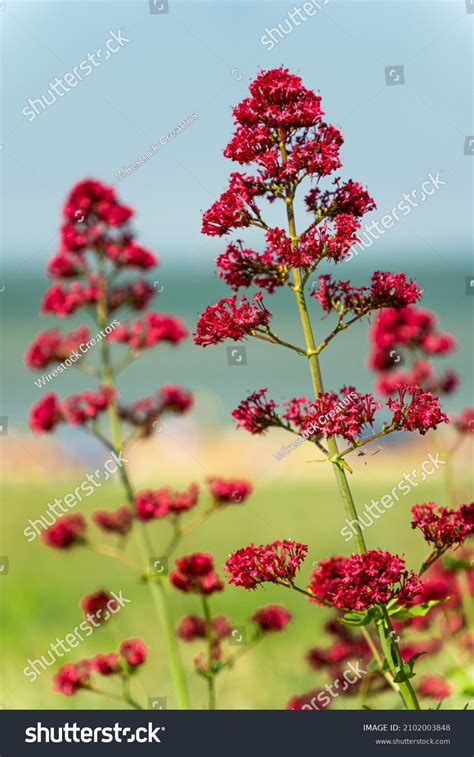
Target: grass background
(45, 586)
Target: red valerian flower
(45, 414)
(221, 627)
(144, 413)
(150, 330)
(131, 254)
(236, 207)
(316, 699)
(344, 415)
(434, 687)
(136, 295)
(81, 408)
(62, 301)
(229, 491)
(52, 346)
(157, 504)
(274, 563)
(421, 413)
(362, 581)
(272, 618)
(229, 320)
(256, 414)
(465, 422)
(442, 526)
(350, 198)
(191, 627)
(421, 374)
(386, 290)
(114, 522)
(99, 605)
(66, 265)
(134, 652)
(67, 532)
(106, 664)
(91, 200)
(243, 267)
(413, 328)
(318, 241)
(70, 678)
(195, 573)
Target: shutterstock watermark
(62, 85)
(373, 512)
(75, 356)
(87, 487)
(294, 18)
(351, 675)
(73, 639)
(409, 201)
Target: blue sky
(199, 57)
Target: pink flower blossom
(229, 491)
(442, 526)
(229, 320)
(274, 563)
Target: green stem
(395, 660)
(157, 589)
(210, 677)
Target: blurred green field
(41, 593)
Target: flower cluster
(74, 676)
(386, 290)
(53, 347)
(362, 581)
(344, 415)
(274, 563)
(149, 331)
(229, 491)
(68, 531)
(195, 573)
(256, 414)
(465, 422)
(114, 522)
(421, 413)
(98, 605)
(145, 413)
(76, 410)
(272, 618)
(243, 267)
(157, 504)
(421, 374)
(229, 320)
(442, 526)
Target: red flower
(229, 491)
(70, 678)
(350, 198)
(114, 522)
(106, 664)
(434, 687)
(242, 267)
(422, 413)
(362, 581)
(235, 208)
(256, 414)
(135, 296)
(276, 563)
(344, 416)
(149, 331)
(146, 412)
(229, 320)
(272, 618)
(386, 290)
(68, 531)
(134, 652)
(61, 300)
(99, 605)
(221, 627)
(52, 346)
(66, 265)
(45, 414)
(131, 254)
(316, 699)
(441, 526)
(465, 422)
(157, 504)
(81, 408)
(195, 573)
(191, 627)
(422, 375)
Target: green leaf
(355, 618)
(403, 674)
(398, 612)
(455, 563)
